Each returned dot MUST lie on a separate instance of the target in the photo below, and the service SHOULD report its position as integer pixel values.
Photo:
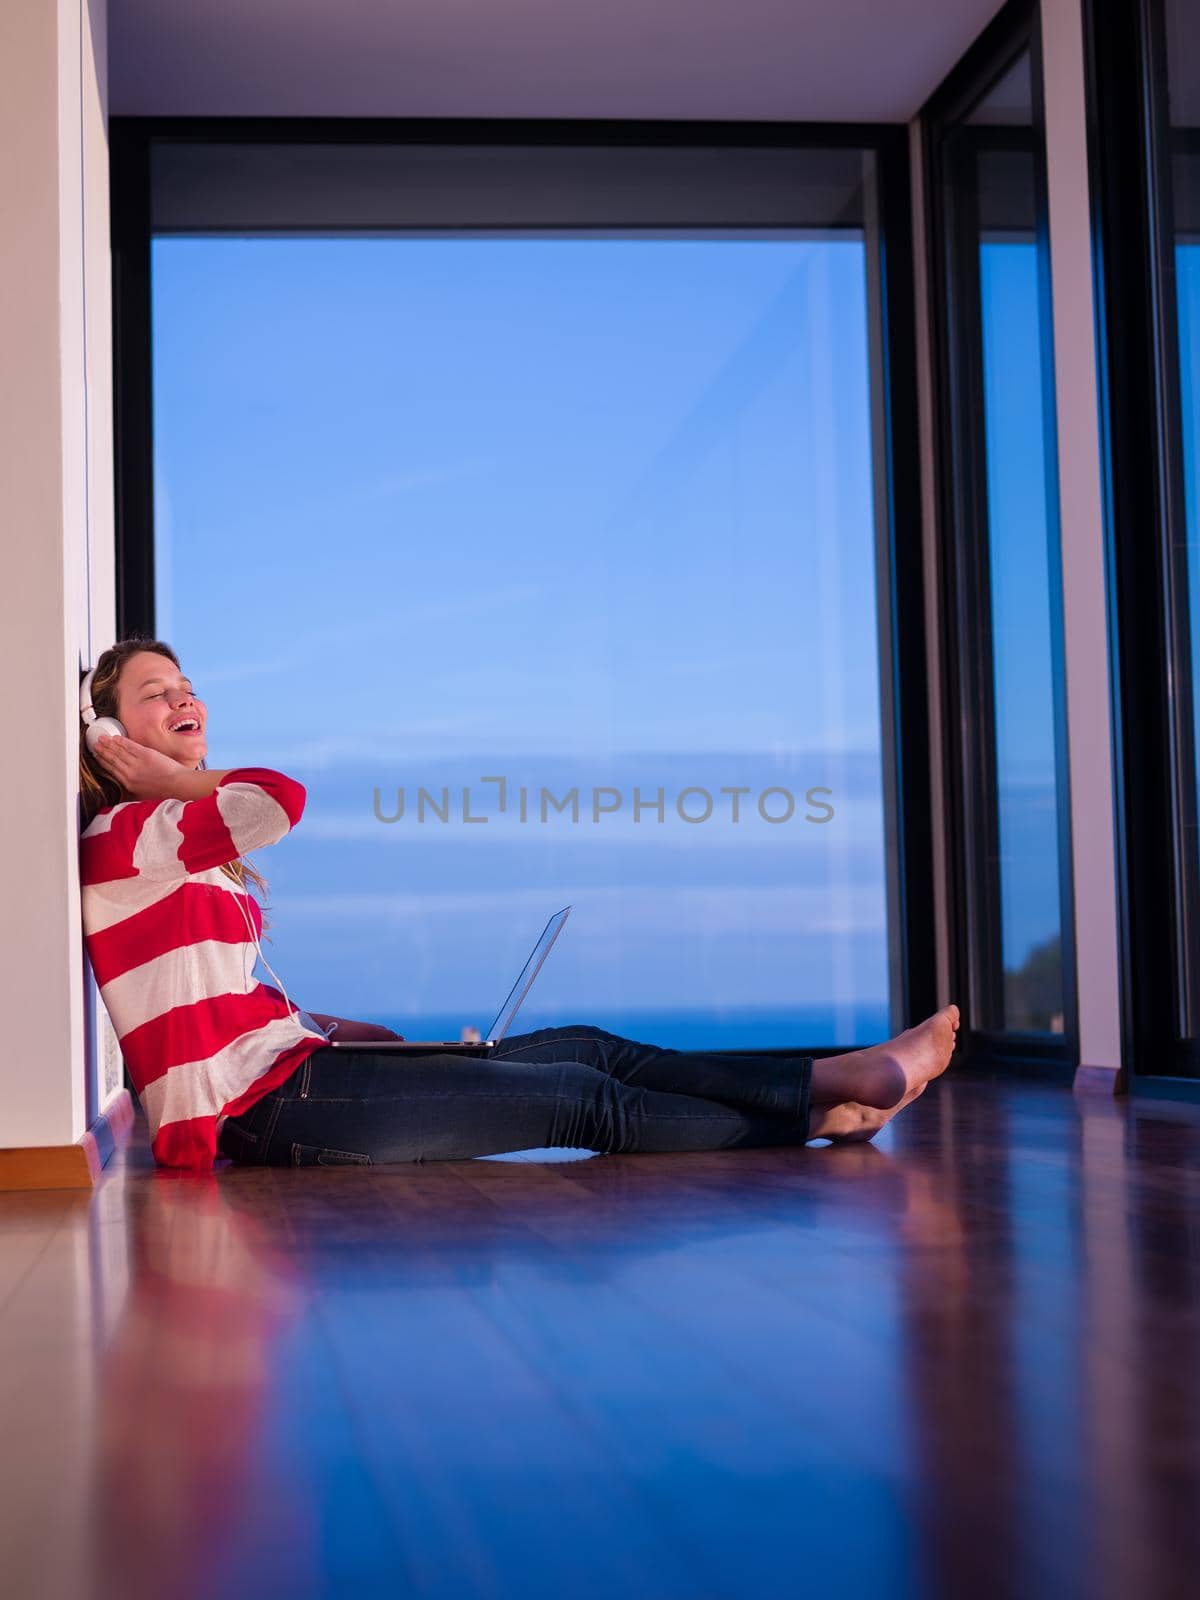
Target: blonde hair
(98, 788)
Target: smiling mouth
(190, 732)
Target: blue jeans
(574, 1086)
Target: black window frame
(963, 574)
(900, 578)
(1129, 148)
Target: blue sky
(1020, 584)
(576, 511)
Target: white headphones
(97, 728)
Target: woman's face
(153, 698)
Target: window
(1182, 265)
(999, 521)
(529, 504)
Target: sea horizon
(748, 1028)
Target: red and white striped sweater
(173, 958)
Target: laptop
(504, 1017)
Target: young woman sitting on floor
(224, 1064)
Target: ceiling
(790, 60)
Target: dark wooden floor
(964, 1361)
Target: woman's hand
(143, 773)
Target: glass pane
(1010, 521)
(589, 515)
(1022, 664)
(1183, 65)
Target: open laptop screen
(528, 973)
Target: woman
(225, 1064)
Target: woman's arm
(355, 1032)
(181, 821)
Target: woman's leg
(880, 1076)
(347, 1106)
(775, 1086)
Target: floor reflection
(185, 1383)
(958, 1361)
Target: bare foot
(886, 1076)
(852, 1123)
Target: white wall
(56, 495)
(1085, 616)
